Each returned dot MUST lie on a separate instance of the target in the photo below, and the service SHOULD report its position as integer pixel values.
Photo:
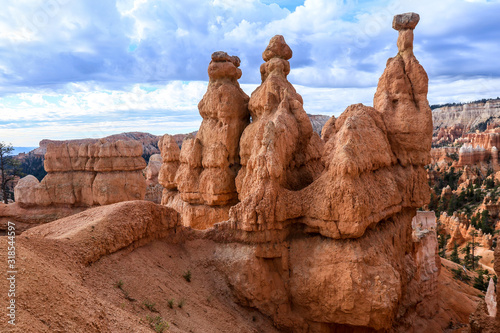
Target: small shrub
(150, 306)
(119, 285)
(171, 303)
(187, 276)
(157, 323)
(160, 327)
(127, 296)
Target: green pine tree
(481, 281)
(454, 254)
(452, 205)
(467, 256)
(486, 222)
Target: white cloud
(97, 58)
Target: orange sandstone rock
(103, 230)
(321, 237)
(210, 161)
(170, 161)
(87, 174)
(279, 150)
(370, 175)
(401, 97)
(203, 174)
(153, 169)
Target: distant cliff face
(468, 115)
(318, 121)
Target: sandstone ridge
(85, 175)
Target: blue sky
(73, 68)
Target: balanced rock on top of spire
(401, 97)
(405, 21)
(277, 48)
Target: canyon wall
(467, 115)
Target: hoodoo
(209, 162)
(327, 224)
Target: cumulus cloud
(336, 43)
(28, 118)
(65, 59)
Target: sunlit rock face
(319, 231)
(203, 185)
(87, 174)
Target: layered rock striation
(470, 155)
(170, 153)
(86, 174)
(468, 115)
(149, 142)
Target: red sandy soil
(58, 295)
(57, 292)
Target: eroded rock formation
(209, 161)
(491, 299)
(461, 233)
(402, 98)
(154, 189)
(312, 210)
(170, 161)
(448, 135)
(149, 142)
(86, 174)
(470, 155)
(443, 156)
(279, 151)
(468, 115)
(315, 233)
(427, 259)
